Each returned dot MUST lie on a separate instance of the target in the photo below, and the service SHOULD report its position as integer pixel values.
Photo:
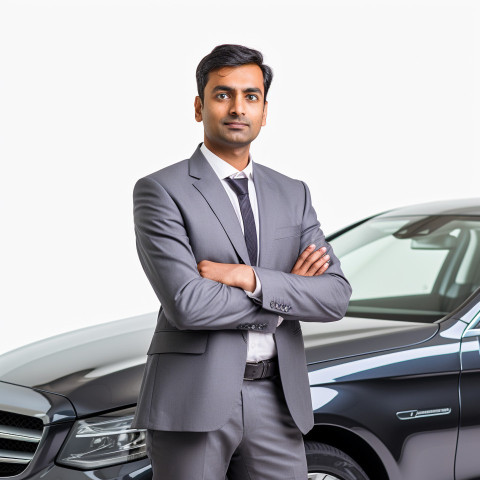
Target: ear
(198, 109)
(264, 118)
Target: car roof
(461, 206)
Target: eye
(252, 97)
(222, 96)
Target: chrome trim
(106, 433)
(321, 476)
(413, 414)
(48, 407)
(44, 407)
(472, 330)
(7, 456)
(20, 434)
(24, 401)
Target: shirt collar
(223, 169)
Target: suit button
(272, 304)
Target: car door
(467, 464)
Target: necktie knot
(239, 185)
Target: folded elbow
(346, 293)
(182, 325)
(183, 317)
(335, 314)
(339, 307)
(184, 307)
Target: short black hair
(228, 55)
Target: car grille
(19, 438)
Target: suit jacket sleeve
(321, 298)
(189, 300)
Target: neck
(236, 157)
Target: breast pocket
(178, 342)
(288, 231)
(285, 247)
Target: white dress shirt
(261, 346)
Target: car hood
(356, 336)
(101, 367)
(97, 368)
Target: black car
(395, 384)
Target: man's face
(233, 109)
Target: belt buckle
(264, 372)
(257, 364)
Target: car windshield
(415, 268)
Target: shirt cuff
(257, 293)
(280, 320)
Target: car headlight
(103, 441)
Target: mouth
(236, 125)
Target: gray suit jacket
(196, 359)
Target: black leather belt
(262, 369)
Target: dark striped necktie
(240, 187)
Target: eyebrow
(226, 88)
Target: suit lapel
(211, 188)
(269, 203)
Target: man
(234, 252)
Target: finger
(312, 258)
(309, 261)
(302, 270)
(317, 265)
(297, 268)
(303, 256)
(322, 269)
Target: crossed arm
(192, 299)
(316, 298)
(322, 298)
(189, 301)
(310, 263)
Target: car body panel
(354, 336)
(366, 394)
(468, 460)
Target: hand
(232, 274)
(311, 263)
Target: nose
(237, 106)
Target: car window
(415, 268)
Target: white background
(374, 103)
